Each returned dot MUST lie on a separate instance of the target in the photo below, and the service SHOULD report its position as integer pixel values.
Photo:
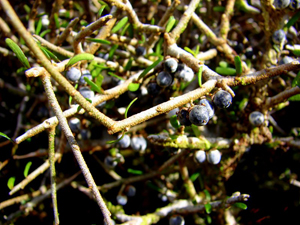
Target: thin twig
(57, 4)
(63, 36)
(32, 15)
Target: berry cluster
(213, 156)
(282, 4)
(200, 114)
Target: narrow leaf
(128, 65)
(240, 205)
(16, 49)
(115, 75)
(130, 104)
(138, 172)
(115, 141)
(127, 26)
(170, 24)
(207, 208)
(119, 25)
(79, 57)
(158, 48)
(112, 51)
(97, 40)
(190, 51)
(94, 86)
(225, 71)
(200, 76)
(207, 195)
(293, 20)
(38, 27)
(147, 70)
(133, 87)
(45, 32)
(49, 54)
(238, 65)
(194, 176)
(174, 122)
(27, 167)
(101, 10)
(5, 136)
(56, 20)
(11, 183)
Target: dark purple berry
(164, 79)
(281, 4)
(256, 118)
(86, 74)
(209, 106)
(140, 51)
(138, 143)
(153, 89)
(294, 4)
(75, 125)
(176, 220)
(170, 65)
(73, 74)
(184, 73)
(86, 92)
(183, 117)
(222, 99)
(278, 36)
(125, 141)
(239, 48)
(285, 60)
(199, 115)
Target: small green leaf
(101, 10)
(79, 57)
(209, 220)
(240, 205)
(219, 9)
(45, 32)
(207, 207)
(243, 104)
(49, 54)
(94, 86)
(56, 20)
(119, 25)
(97, 40)
(39, 26)
(174, 122)
(190, 51)
(207, 195)
(158, 48)
(99, 80)
(11, 183)
(238, 65)
(129, 106)
(295, 98)
(70, 97)
(225, 71)
(223, 64)
(128, 64)
(296, 81)
(170, 24)
(293, 20)
(112, 51)
(17, 50)
(27, 8)
(200, 76)
(147, 70)
(133, 87)
(5, 136)
(27, 167)
(194, 176)
(138, 172)
(115, 75)
(127, 27)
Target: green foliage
(11, 182)
(174, 122)
(19, 53)
(27, 167)
(79, 57)
(119, 25)
(130, 104)
(137, 172)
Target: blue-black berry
(138, 143)
(86, 92)
(256, 118)
(125, 141)
(140, 51)
(214, 156)
(73, 74)
(130, 191)
(210, 108)
(184, 73)
(153, 89)
(110, 162)
(75, 125)
(285, 60)
(164, 79)
(295, 4)
(85, 134)
(176, 220)
(86, 74)
(281, 4)
(183, 117)
(222, 99)
(199, 115)
(200, 156)
(170, 65)
(278, 36)
(122, 199)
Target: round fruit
(86, 74)
(86, 92)
(222, 99)
(214, 156)
(285, 60)
(75, 125)
(176, 220)
(164, 79)
(140, 50)
(138, 143)
(209, 106)
(256, 118)
(73, 74)
(170, 65)
(184, 73)
(200, 156)
(130, 191)
(295, 4)
(278, 36)
(125, 141)
(110, 162)
(199, 115)
(281, 4)
(183, 117)
(122, 199)
(153, 89)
